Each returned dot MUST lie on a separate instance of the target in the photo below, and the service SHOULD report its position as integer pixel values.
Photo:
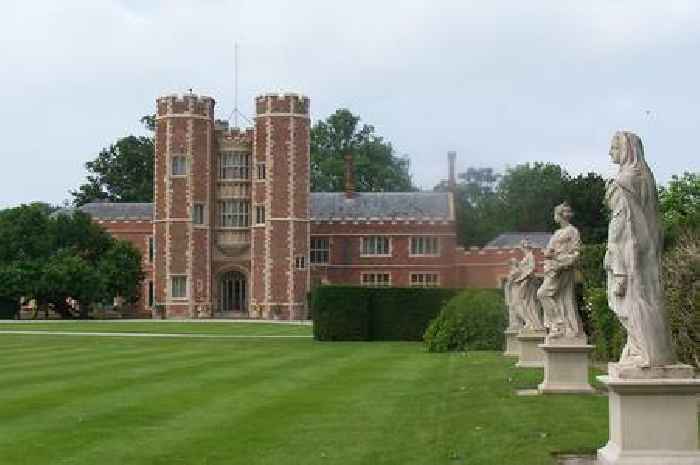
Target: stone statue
(633, 256)
(558, 291)
(524, 290)
(514, 321)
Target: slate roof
(513, 239)
(324, 206)
(327, 205)
(115, 210)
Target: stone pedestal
(531, 356)
(512, 344)
(653, 421)
(565, 369)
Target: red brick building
(234, 231)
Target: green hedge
(473, 320)
(8, 308)
(351, 313)
(340, 313)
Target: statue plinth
(565, 367)
(653, 420)
(512, 344)
(531, 356)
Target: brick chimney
(349, 176)
(451, 180)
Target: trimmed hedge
(8, 308)
(351, 313)
(473, 320)
(340, 313)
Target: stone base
(652, 422)
(531, 356)
(512, 344)
(566, 369)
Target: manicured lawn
(204, 327)
(118, 400)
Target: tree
(679, 204)
(57, 259)
(377, 168)
(122, 172)
(529, 193)
(586, 195)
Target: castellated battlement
(284, 104)
(234, 135)
(185, 105)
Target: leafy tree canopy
(679, 203)
(523, 200)
(122, 172)
(377, 168)
(54, 258)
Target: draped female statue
(524, 289)
(514, 321)
(633, 256)
(558, 291)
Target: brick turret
(182, 196)
(279, 253)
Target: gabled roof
(418, 205)
(513, 239)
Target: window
(376, 245)
(376, 279)
(425, 279)
(300, 262)
(260, 214)
(151, 294)
(319, 250)
(261, 170)
(424, 245)
(198, 213)
(178, 287)
(234, 165)
(234, 213)
(151, 249)
(178, 165)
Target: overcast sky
(500, 82)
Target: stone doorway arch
(232, 293)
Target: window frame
(424, 282)
(260, 215)
(260, 168)
(424, 241)
(171, 287)
(150, 294)
(185, 167)
(237, 212)
(314, 251)
(203, 207)
(238, 162)
(363, 249)
(151, 249)
(375, 282)
(300, 262)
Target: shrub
(607, 334)
(341, 313)
(473, 320)
(403, 314)
(682, 282)
(351, 313)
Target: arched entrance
(233, 292)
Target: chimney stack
(451, 180)
(349, 176)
